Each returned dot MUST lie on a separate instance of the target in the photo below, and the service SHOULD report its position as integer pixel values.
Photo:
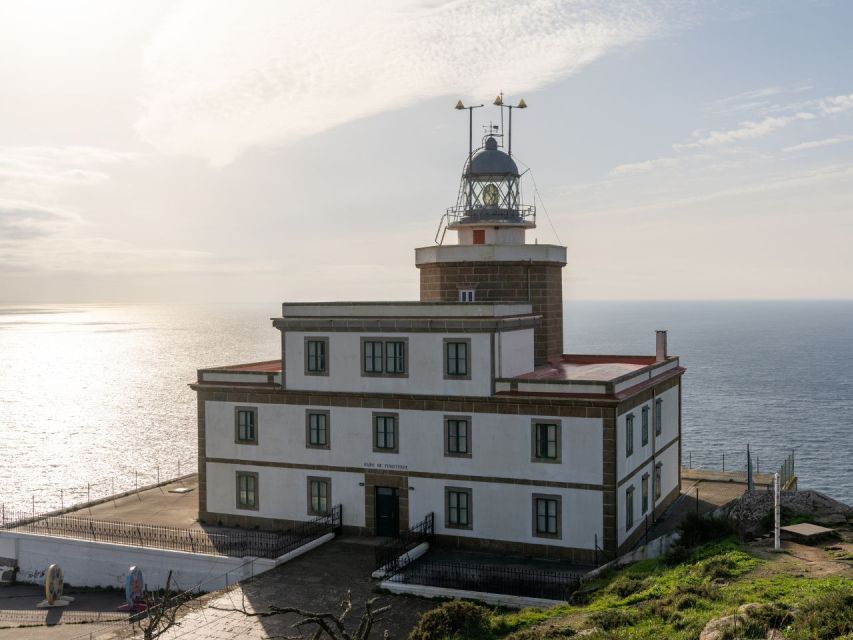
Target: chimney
(660, 346)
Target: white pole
(777, 513)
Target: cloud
(816, 144)
(646, 166)
(271, 72)
(745, 131)
(837, 104)
(40, 239)
(23, 221)
(70, 165)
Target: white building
(462, 405)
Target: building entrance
(387, 512)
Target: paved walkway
(315, 582)
(90, 610)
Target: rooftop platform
(588, 367)
(591, 376)
(266, 373)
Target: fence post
(34, 505)
(61, 500)
(724, 461)
(689, 459)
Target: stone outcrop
(717, 628)
(750, 512)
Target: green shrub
(625, 585)
(454, 619)
(698, 529)
(718, 568)
(609, 619)
(827, 617)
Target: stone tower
(491, 260)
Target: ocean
(94, 398)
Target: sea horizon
(101, 389)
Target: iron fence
(508, 580)
(388, 555)
(234, 543)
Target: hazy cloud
(646, 165)
(68, 165)
(284, 70)
(21, 221)
(745, 131)
(816, 144)
(35, 238)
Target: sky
(212, 151)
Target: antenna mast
(460, 107)
(499, 101)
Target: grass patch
(652, 599)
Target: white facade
(501, 476)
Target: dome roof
(491, 161)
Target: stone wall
(537, 283)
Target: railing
(121, 483)
(788, 473)
(388, 555)
(508, 580)
(262, 544)
(520, 214)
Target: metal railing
(523, 213)
(508, 580)
(788, 473)
(388, 555)
(234, 543)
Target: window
(479, 236)
(247, 490)
(658, 416)
(658, 468)
(457, 359)
(458, 508)
(385, 432)
(629, 508)
(546, 441)
(395, 357)
(645, 505)
(644, 437)
(629, 434)
(384, 357)
(246, 425)
(372, 350)
(457, 436)
(546, 516)
(319, 496)
(317, 429)
(466, 295)
(317, 356)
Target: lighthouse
(492, 259)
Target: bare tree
(161, 612)
(328, 624)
